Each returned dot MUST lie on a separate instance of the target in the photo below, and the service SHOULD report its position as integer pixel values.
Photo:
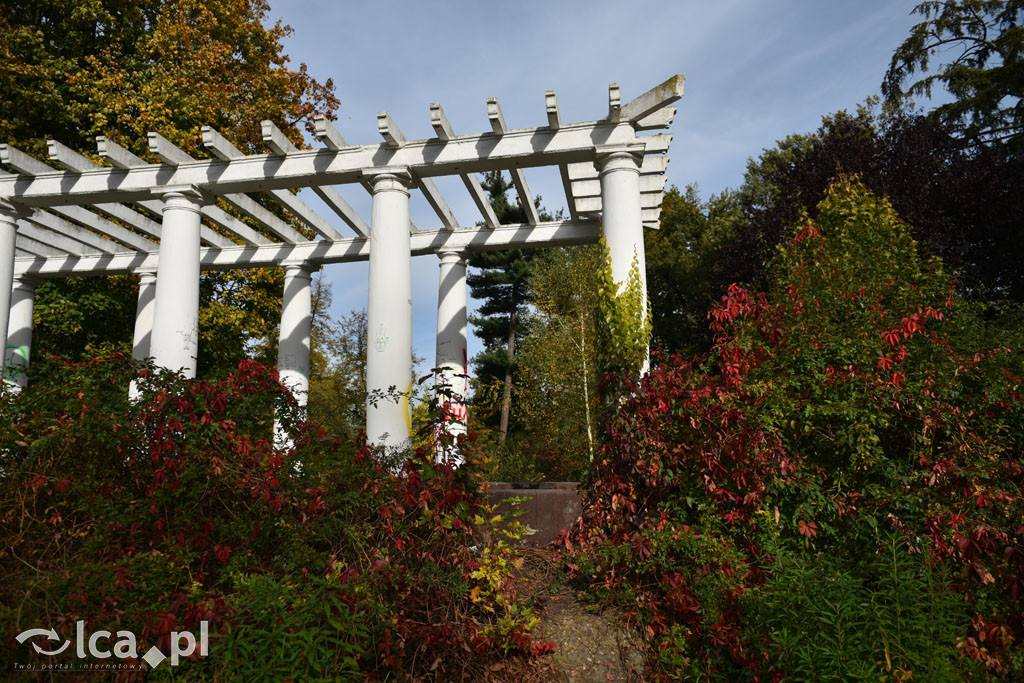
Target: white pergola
(164, 222)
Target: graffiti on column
(380, 341)
(15, 362)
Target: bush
(310, 562)
(857, 417)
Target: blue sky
(755, 71)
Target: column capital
(390, 178)
(26, 283)
(182, 196)
(448, 256)
(12, 211)
(619, 157)
(301, 269)
(146, 277)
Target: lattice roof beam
(554, 123)
(614, 102)
(35, 247)
(172, 155)
(60, 226)
(77, 163)
(29, 166)
(394, 138)
(522, 148)
(499, 128)
(328, 134)
(124, 159)
(656, 98)
(554, 233)
(445, 133)
(279, 143)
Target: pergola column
(389, 312)
(175, 338)
(8, 234)
(144, 308)
(452, 381)
(621, 219)
(296, 326)
(19, 332)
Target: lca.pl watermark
(98, 645)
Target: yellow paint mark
(405, 409)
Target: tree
(120, 68)
(684, 273)
(985, 75)
(557, 364)
(337, 377)
(963, 203)
(502, 286)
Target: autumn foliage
(310, 562)
(834, 491)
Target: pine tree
(501, 284)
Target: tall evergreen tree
(501, 284)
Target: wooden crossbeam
(393, 138)
(554, 123)
(77, 163)
(654, 99)
(279, 143)
(518, 176)
(61, 243)
(614, 102)
(172, 155)
(586, 170)
(445, 133)
(35, 247)
(525, 148)
(555, 233)
(67, 229)
(583, 189)
(328, 134)
(124, 159)
(659, 120)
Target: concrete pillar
(389, 312)
(619, 168)
(143, 322)
(296, 325)
(19, 333)
(451, 363)
(8, 233)
(175, 340)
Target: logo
(99, 645)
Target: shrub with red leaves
(311, 561)
(857, 425)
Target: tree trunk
(506, 398)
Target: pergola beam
(445, 132)
(518, 177)
(523, 148)
(328, 134)
(279, 143)
(124, 159)
(654, 99)
(554, 233)
(393, 137)
(172, 155)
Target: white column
(296, 325)
(389, 312)
(8, 233)
(451, 363)
(619, 168)
(175, 339)
(19, 333)
(144, 308)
